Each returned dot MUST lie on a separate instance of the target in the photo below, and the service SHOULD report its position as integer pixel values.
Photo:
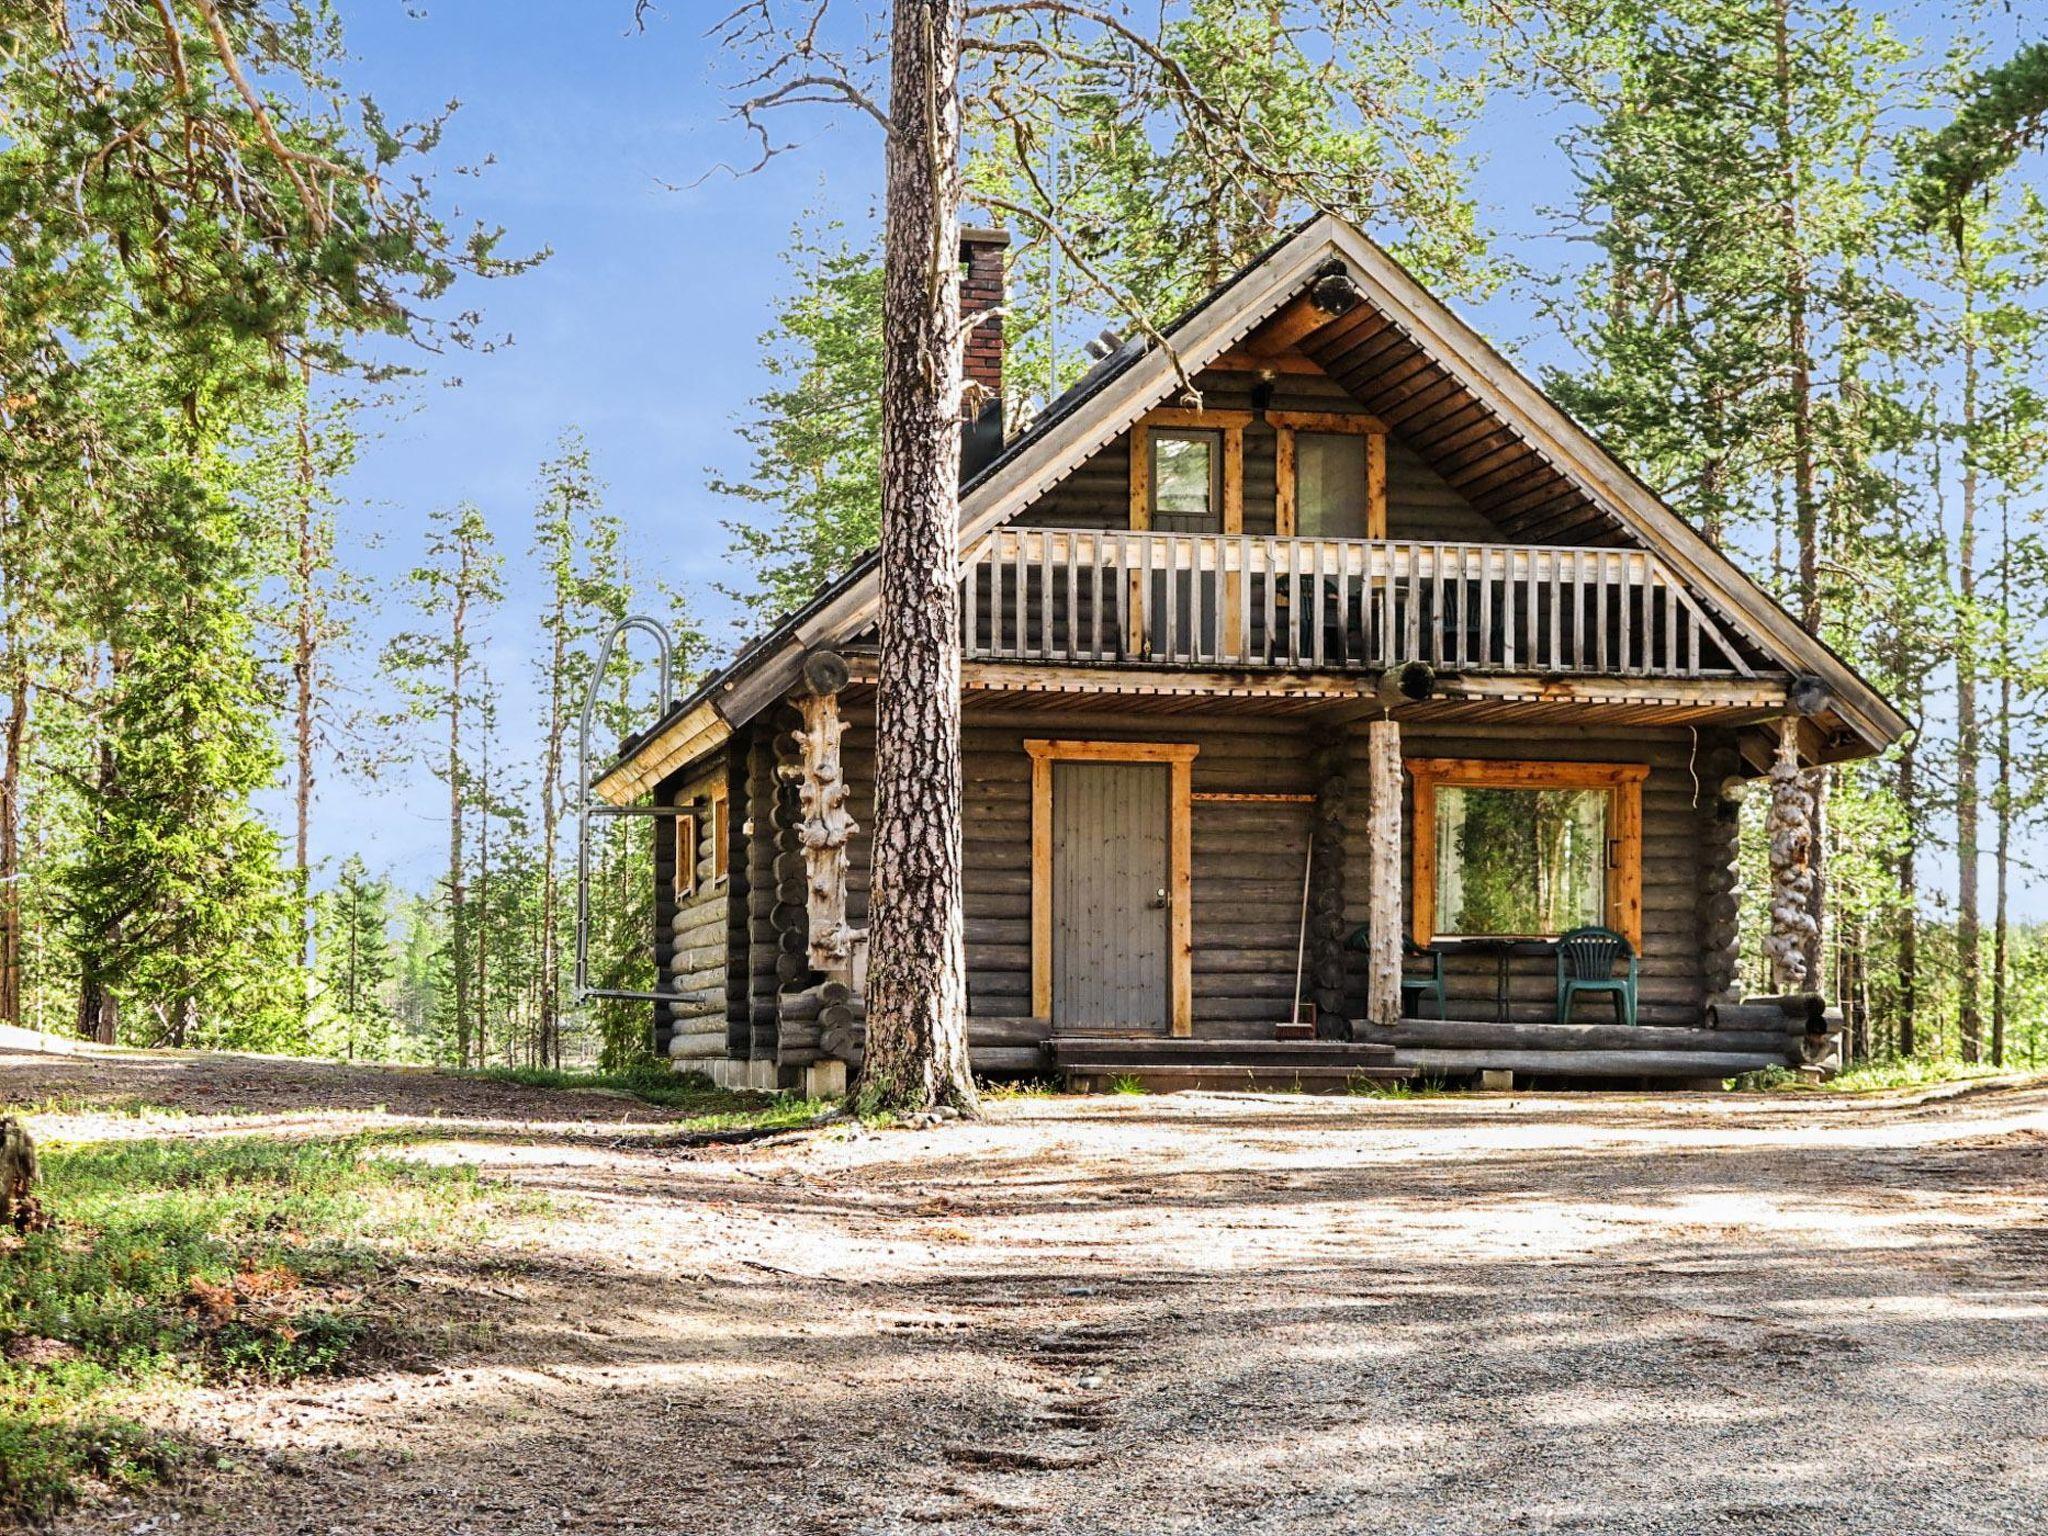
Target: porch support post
(1383, 874)
(1791, 835)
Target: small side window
(1187, 472)
(721, 838)
(686, 856)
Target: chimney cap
(974, 234)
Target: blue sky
(641, 329)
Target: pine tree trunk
(548, 984)
(10, 835)
(458, 936)
(304, 641)
(2001, 931)
(917, 978)
(1806, 509)
(1969, 937)
(1909, 893)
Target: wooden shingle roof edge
(1137, 378)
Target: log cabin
(1335, 688)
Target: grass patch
(1127, 1083)
(176, 1262)
(710, 1107)
(1870, 1077)
(999, 1089)
(1426, 1086)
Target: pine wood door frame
(1179, 756)
(1286, 500)
(1622, 781)
(1229, 425)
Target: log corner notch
(826, 824)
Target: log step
(1224, 1077)
(1639, 1064)
(1471, 1034)
(1086, 1050)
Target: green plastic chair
(1586, 958)
(1419, 987)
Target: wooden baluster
(1670, 625)
(1386, 562)
(1095, 597)
(1557, 611)
(1268, 596)
(1486, 557)
(1508, 615)
(1244, 601)
(1600, 611)
(1196, 604)
(1169, 615)
(1067, 644)
(1582, 598)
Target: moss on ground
(178, 1262)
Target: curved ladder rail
(588, 806)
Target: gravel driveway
(1213, 1313)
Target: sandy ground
(1214, 1313)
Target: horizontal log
(1666, 1064)
(1471, 1034)
(1751, 1015)
(1808, 1008)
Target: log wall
(1247, 865)
(1420, 503)
(691, 934)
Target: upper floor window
(1186, 478)
(1329, 478)
(1330, 474)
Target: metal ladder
(589, 807)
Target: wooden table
(1503, 949)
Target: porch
(1208, 803)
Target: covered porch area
(1163, 868)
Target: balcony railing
(1115, 598)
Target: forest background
(315, 494)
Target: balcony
(1229, 601)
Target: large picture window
(1525, 849)
(1523, 862)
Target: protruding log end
(1409, 683)
(825, 673)
(1335, 291)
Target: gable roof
(1402, 351)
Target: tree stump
(19, 1207)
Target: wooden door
(1110, 885)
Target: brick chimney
(981, 288)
